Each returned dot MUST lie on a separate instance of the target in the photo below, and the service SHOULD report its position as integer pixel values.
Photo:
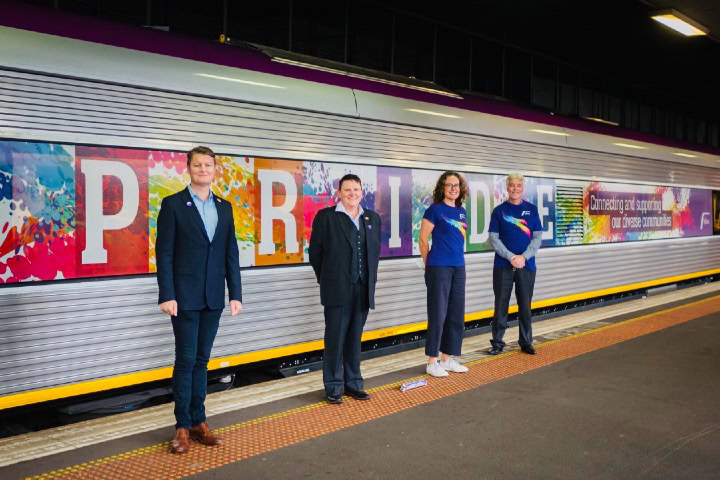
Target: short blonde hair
(514, 176)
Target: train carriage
(92, 136)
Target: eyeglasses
(452, 186)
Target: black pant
(446, 310)
(503, 280)
(343, 335)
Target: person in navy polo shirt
(445, 273)
(515, 234)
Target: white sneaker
(452, 365)
(435, 370)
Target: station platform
(625, 391)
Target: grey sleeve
(532, 249)
(499, 247)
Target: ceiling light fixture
(680, 154)
(237, 80)
(550, 132)
(679, 22)
(629, 145)
(428, 112)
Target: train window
(265, 23)
(487, 65)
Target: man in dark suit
(344, 252)
(196, 253)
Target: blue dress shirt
(208, 212)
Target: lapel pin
(367, 218)
(369, 227)
(189, 204)
(218, 200)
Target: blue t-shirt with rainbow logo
(448, 236)
(515, 225)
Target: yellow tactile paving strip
(263, 435)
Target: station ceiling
(613, 41)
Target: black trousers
(343, 334)
(503, 280)
(446, 310)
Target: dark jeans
(503, 280)
(446, 310)
(195, 332)
(343, 335)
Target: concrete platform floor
(644, 405)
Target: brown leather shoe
(204, 435)
(181, 442)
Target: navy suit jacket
(331, 244)
(191, 269)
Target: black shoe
(530, 350)
(358, 394)
(334, 399)
(495, 351)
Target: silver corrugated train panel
(34, 106)
(100, 329)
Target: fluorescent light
(297, 63)
(237, 80)
(551, 132)
(629, 145)
(679, 22)
(680, 154)
(602, 120)
(428, 112)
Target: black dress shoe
(358, 394)
(334, 399)
(530, 350)
(495, 351)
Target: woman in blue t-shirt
(445, 273)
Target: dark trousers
(195, 332)
(503, 280)
(343, 335)
(446, 310)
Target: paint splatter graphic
(37, 212)
(320, 185)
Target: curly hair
(439, 192)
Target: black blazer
(331, 244)
(191, 269)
